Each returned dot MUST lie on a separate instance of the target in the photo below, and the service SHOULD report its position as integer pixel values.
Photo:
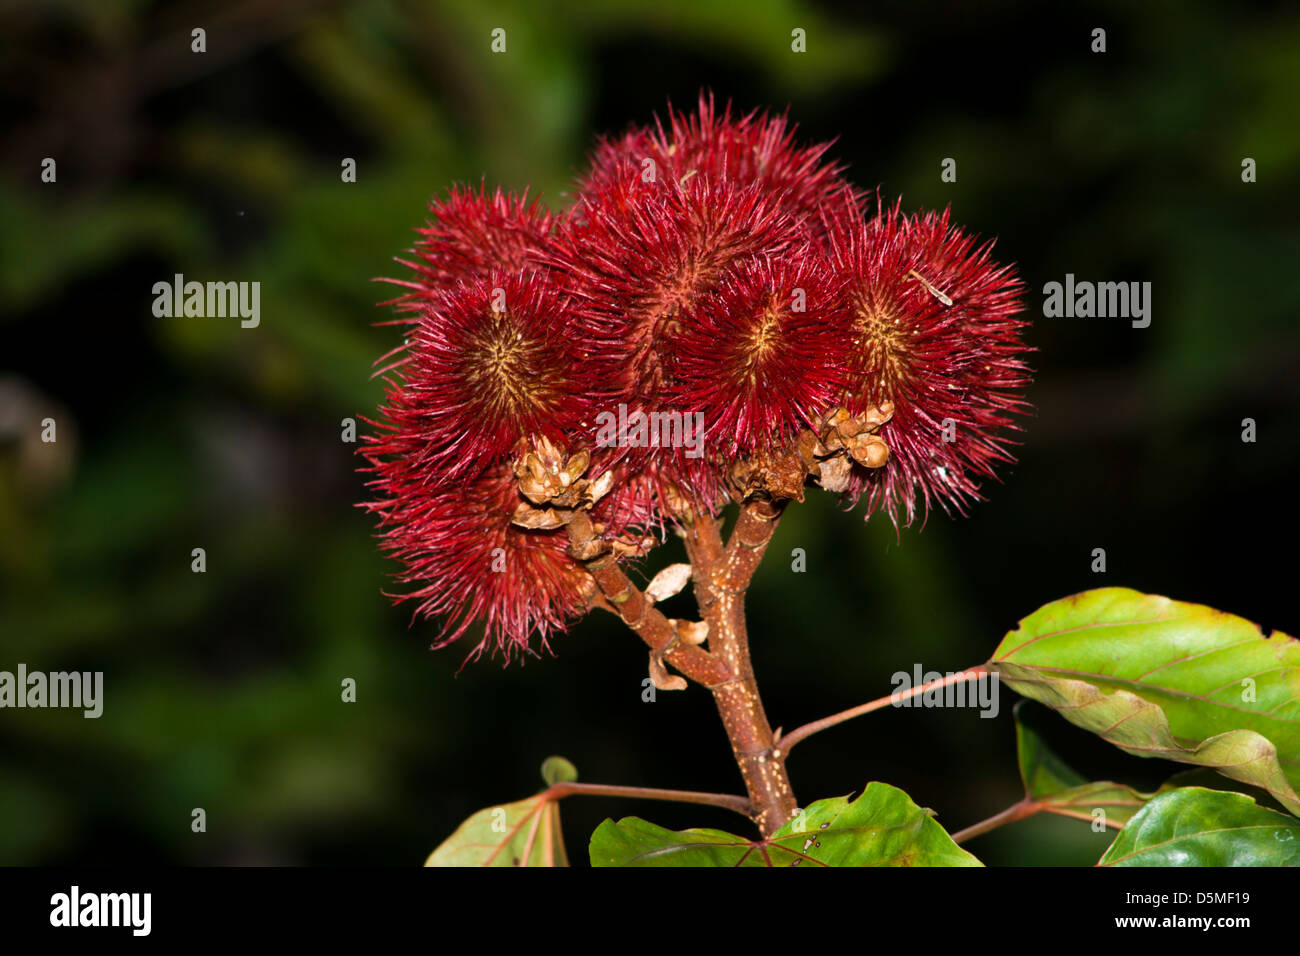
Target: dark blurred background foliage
(222, 690)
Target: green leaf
(1193, 826)
(1162, 678)
(1041, 770)
(1058, 789)
(635, 842)
(882, 827)
(1210, 780)
(525, 833)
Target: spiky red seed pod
(490, 361)
(631, 511)
(936, 330)
(618, 163)
(470, 564)
(756, 148)
(655, 228)
(640, 258)
(641, 252)
(472, 233)
(759, 356)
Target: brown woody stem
(640, 614)
(721, 576)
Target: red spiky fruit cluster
(715, 296)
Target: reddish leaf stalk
(725, 800)
(807, 730)
(1017, 811)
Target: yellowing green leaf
(526, 833)
(1162, 678)
(1058, 789)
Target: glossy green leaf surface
(1193, 826)
(882, 827)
